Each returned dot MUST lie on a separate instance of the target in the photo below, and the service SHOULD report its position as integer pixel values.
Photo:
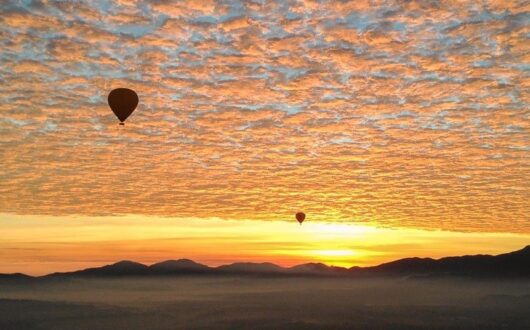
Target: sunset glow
(400, 129)
(42, 244)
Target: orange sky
(44, 244)
(397, 115)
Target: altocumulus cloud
(398, 113)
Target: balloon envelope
(123, 101)
(300, 216)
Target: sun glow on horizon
(69, 243)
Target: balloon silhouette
(123, 101)
(300, 216)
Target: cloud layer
(400, 113)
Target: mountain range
(513, 264)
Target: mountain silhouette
(15, 278)
(515, 263)
(512, 264)
(181, 266)
(251, 268)
(120, 268)
(317, 269)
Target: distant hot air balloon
(123, 101)
(300, 216)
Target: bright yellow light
(39, 245)
(332, 253)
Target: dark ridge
(15, 278)
(402, 266)
(15, 275)
(120, 268)
(514, 264)
(250, 268)
(181, 266)
(317, 269)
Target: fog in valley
(263, 303)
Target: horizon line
(266, 262)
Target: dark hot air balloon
(300, 216)
(123, 101)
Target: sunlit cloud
(397, 114)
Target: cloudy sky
(391, 114)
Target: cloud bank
(400, 113)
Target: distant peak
(522, 252)
(526, 249)
(127, 263)
(251, 267)
(178, 265)
(178, 261)
(312, 265)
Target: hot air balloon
(300, 216)
(123, 101)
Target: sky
(398, 116)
